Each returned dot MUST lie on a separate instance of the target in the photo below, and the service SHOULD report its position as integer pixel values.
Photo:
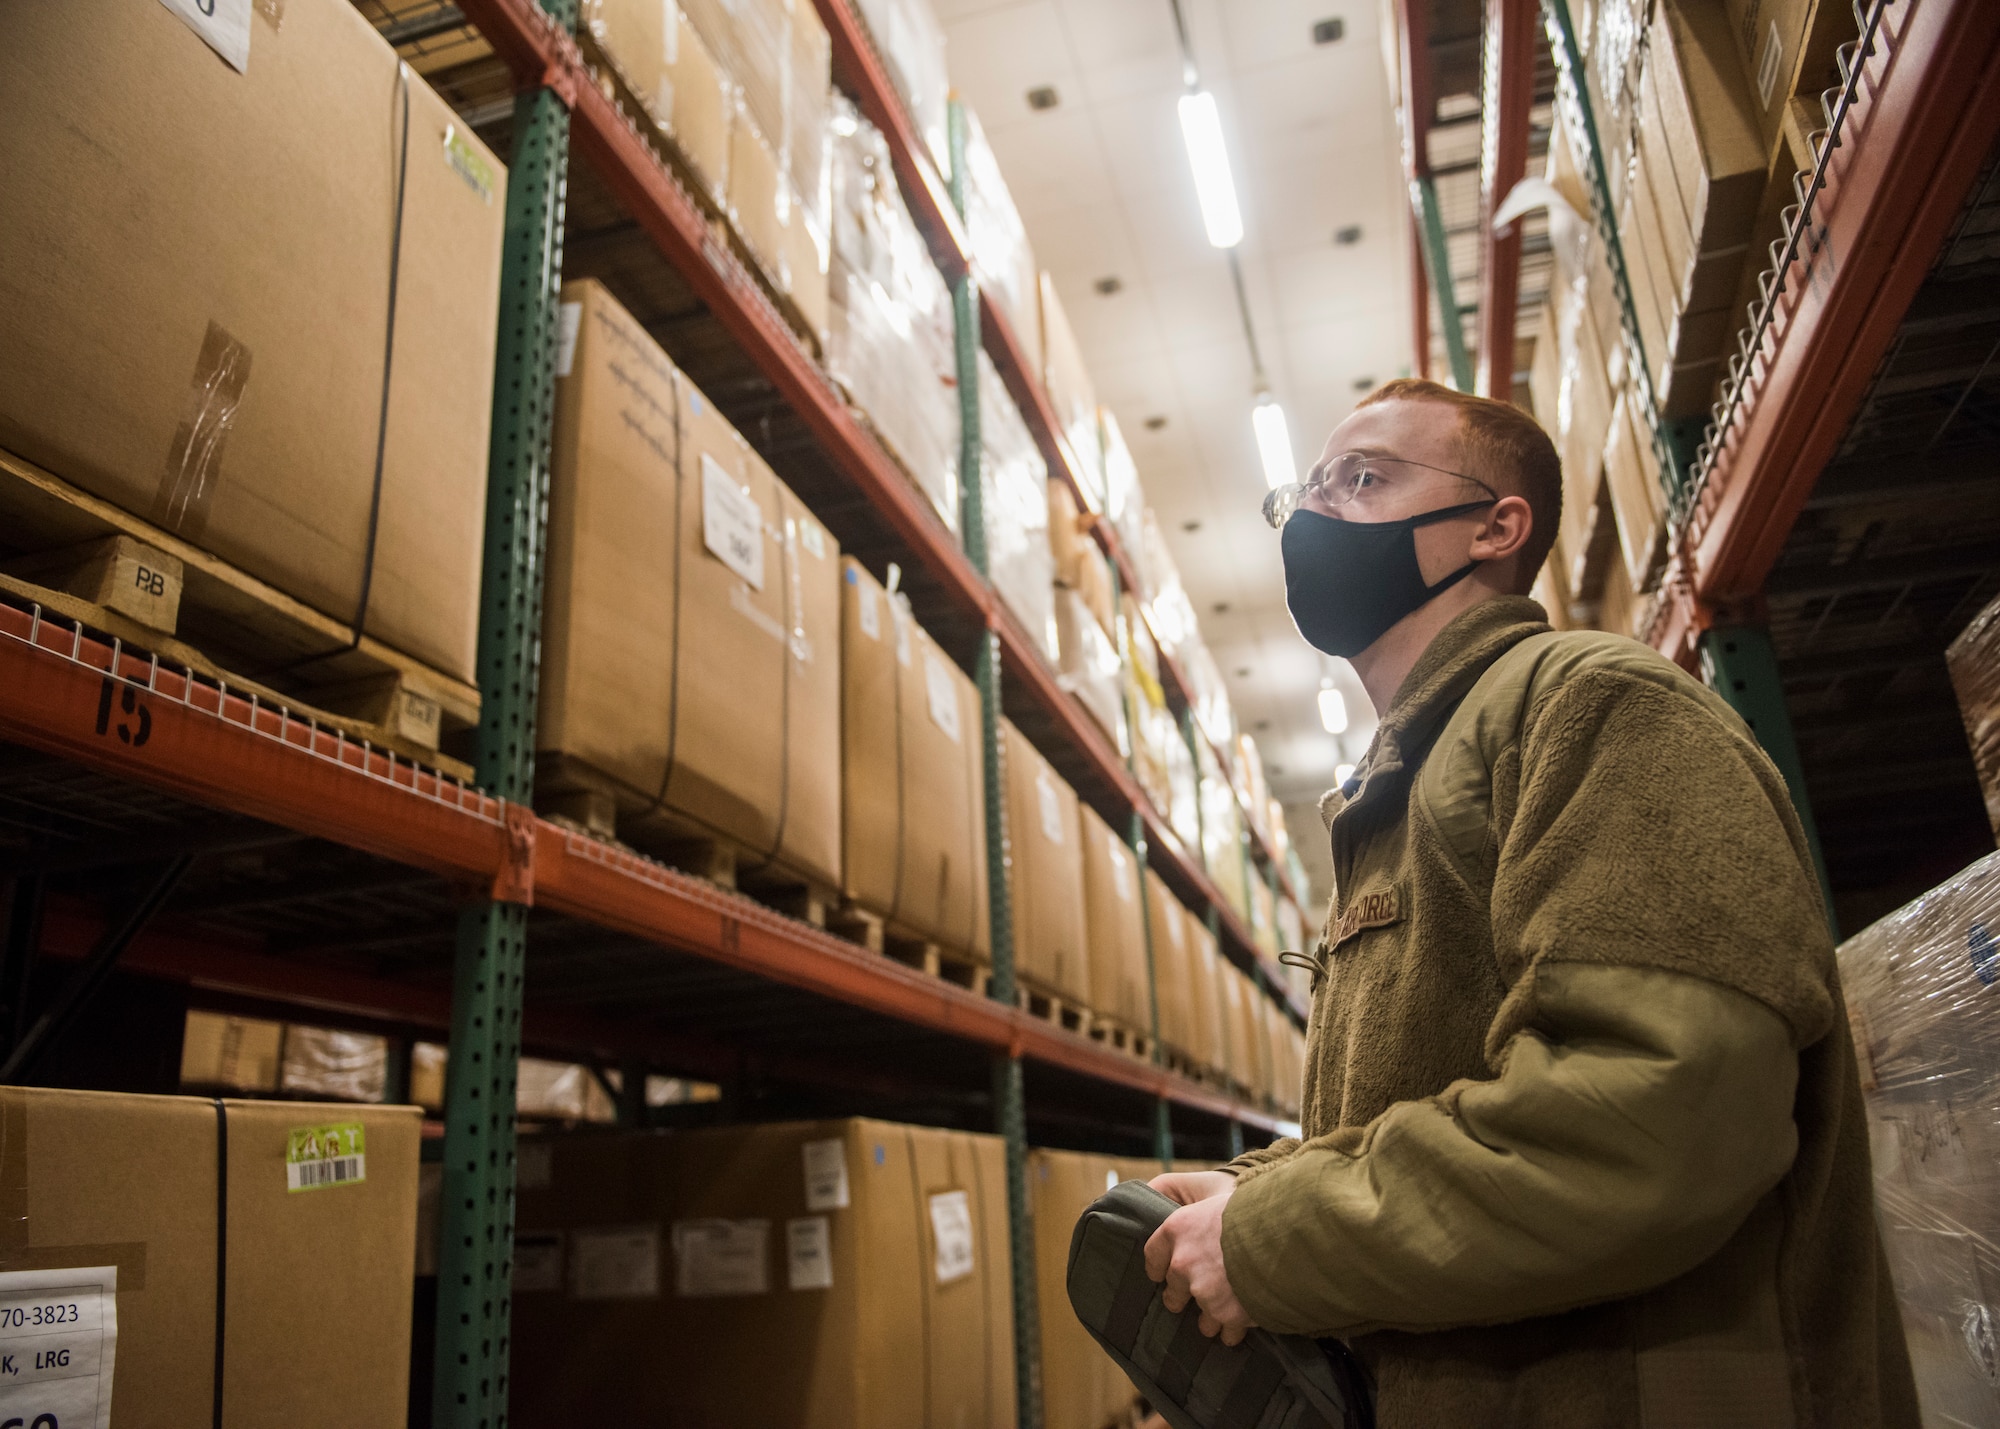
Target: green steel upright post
(476, 1239)
(1437, 263)
(1739, 664)
(1010, 1102)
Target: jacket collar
(1449, 667)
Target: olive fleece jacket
(1584, 1140)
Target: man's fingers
(1175, 1298)
(1233, 1334)
(1160, 1251)
(1209, 1325)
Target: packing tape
(272, 12)
(16, 1251)
(194, 460)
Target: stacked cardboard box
(202, 330)
(1974, 661)
(1155, 733)
(1082, 1388)
(913, 795)
(1115, 928)
(1045, 874)
(910, 41)
(1014, 483)
(1173, 963)
(113, 1206)
(238, 1053)
(1208, 1016)
(705, 696)
(825, 1275)
(668, 68)
(890, 326)
(1002, 261)
(1124, 502)
(1222, 833)
(1920, 995)
(1071, 394)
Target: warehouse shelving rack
(558, 942)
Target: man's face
(1423, 432)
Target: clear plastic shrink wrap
(323, 1062)
(911, 43)
(1014, 485)
(1002, 261)
(1124, 502)
(890, 340)
(1974, 659)
(1925, 1011)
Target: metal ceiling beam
(1884, 572)
(1910, 476)
(1513, 30)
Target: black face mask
(1346, 582)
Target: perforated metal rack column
(476, 1240)
(1010, 1106)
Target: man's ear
(1509, 522)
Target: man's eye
(1363, 477)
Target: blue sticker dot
(1985, 953)
(880, 1155)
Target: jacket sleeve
(1271, 1155)
(1637, 1121)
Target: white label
(942, 692)
(566, 330)
(225, 25)
(870, 613)
(1767, 68)
(1121, 868)
(717, 1257)
(951, 1228)
(58, 1341)
(534, 1165)
(812, 538)
(1051, 802)
(732, 525)
(538, 1262)
(1174, 930)
(904, 620)
(809, 1253)
(1110, 1180)
(826, 1174)
(615, 1263)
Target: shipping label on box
(951, 1229)
(721, 1257)
(58, 1345)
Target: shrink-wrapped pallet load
(891, 337)
(1124, 500)
(205, 330)
(911, 44)
(691, 648)
(1222, 834)
(659, 1278)
(1002, 261)
(1115, 929)
(1014, 483)
(913, 797)
(1045, 874)
(1921, 1000)
(1974, 661)
(1091, 669)
(1066, 378)
(669, 70)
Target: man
(1584, 1143)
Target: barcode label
(317, 1157)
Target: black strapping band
(221, 1246)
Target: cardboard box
(325, 1062)
(1638, 501)
(805, 257)
(1173, 961)
(1115, 928)
(1067, 381)
(1974, 661)
(1208, 1028)
(1045, 875)
(667, 68)
(913, 795)
(1069, 544)
(240, 1053)
(823, 1275)
(758, 204)
(316, 1310)
(199, 318)
(1718, 158)
(1082, 1388)
(1920, 1000)
(697, 693)
(1786, 48)
(810, 104)
(1090, 667)
(1014, 481)
(1002, 259)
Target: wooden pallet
(881, 935)
(81, 558)
(1116, 1034)
(570, 792)
(1038, 1000)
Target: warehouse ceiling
(1103, 185)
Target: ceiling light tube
(1201, 127)
(1333, 711)
(1274, 442)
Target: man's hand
(1186, 1253)
(1184, 1188)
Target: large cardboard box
(759, 203)
(913, 794)
(1921, 999)
(668, 68)
(1115, 927)
(241, 1053)
(1090, 666)
(108, 1198)
(1709, 123)
(1638, 501)
(199, 319)
(1067, 381)
(1787, 48)
(1207, 1006)
(691, 635)
(1082, 1388)
(1173, 963)
(1045, 873)
(816, 1275)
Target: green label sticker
(471, 167)
(320, 1156)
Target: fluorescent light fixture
(1333, 711)
(1342, 773)
(1201, 127)
(1274, 442)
